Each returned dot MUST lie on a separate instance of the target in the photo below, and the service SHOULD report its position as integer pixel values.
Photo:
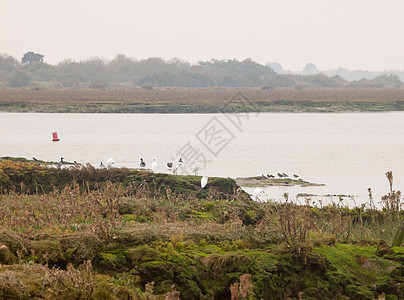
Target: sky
(353, 34)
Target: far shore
(200, 100)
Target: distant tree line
(31, 70)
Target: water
(347, 152)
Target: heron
(142, 163)
(109, 163)
(204, 181)
(154, 165)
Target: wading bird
(142, 163)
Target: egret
(142, 163)
(176, 165)
(257, 192)
(196, 168)
(154, 165)
(109, 163)
(204, 181)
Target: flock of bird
(172, 166)
(280, 175)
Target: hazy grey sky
(354, 34)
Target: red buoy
(55, 137)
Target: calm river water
(348, 152)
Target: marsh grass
(83, 240)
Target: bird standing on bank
(109, 163)
(257, 193)
(154, 165)
(60, 164)
(142, 163)
(196, 168)
(204, 181)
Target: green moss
(112, 261)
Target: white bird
(175, 168)
(102, 166)
(109, 163)
(196, 168)
(204, 181)
(257, 192)
(154, 165)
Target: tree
(31, 57)
(7, 62)
(19, 79)
(310, 69)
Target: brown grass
(196, 95)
